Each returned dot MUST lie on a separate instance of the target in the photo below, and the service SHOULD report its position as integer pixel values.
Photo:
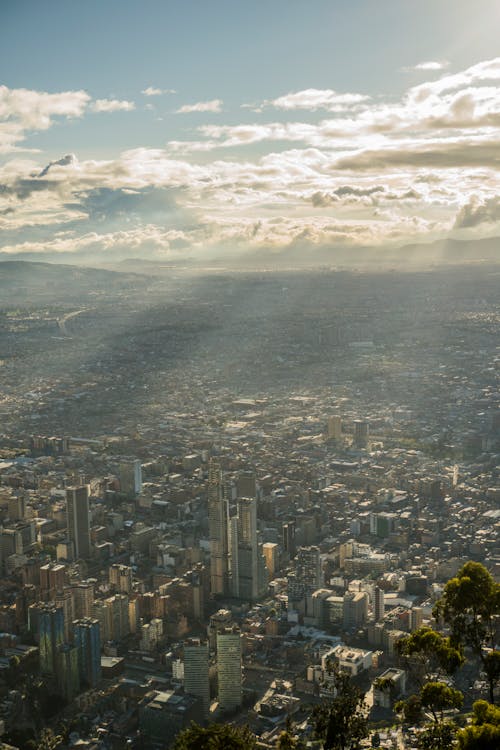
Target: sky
(163, 129)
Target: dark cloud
(64, 161)
(478, 212)
(22, 188)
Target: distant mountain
(26, 282)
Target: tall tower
(229, 668)
(88, 642)
(218, 520)
(49, 627)
(378, 604)
(248, 549)
(196, 677)
(78, 516)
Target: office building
(52, 579)
(218, 522)
(361, 432)
(378, 604)
(130, 474)
(334, 428)
(120, 578)
(196, 674)
(46, 622)
(67, 673)
(78, 519)
(289, 544)
(229, 668)
(88, 641)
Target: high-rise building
(361, 432)
(83, 597)
(196, 673)
(46, 621)
(78, 517)
(88, 641)
(68, 673)
(52, 579)
(308, 568)
(271, 556)
(218, 521)
(355, 609)
(416, 618)
(289, 544)
(130, 473)
(334, 428)
(248, 570)
(64, 599)
(229, 668)
(378, 604)
(120, 578)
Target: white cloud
(428, 65)
(24, 109)
(112, 105)
(153, 91)
(214, 105)
(314, 99)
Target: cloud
(427, 66)
(112, 105)
(313, 99)
(153, 91)
(214, 105)
(477, 212)
(64, 161)
(22, 110)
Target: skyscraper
(250, 567)
(218, 520)
(229, 668)
(196, 676)
(78, 516)
(378, 604)
(68, 676)
(46, 621)
(88, 642)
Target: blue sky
(245, 125)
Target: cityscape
(249, 378)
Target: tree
(438, 697)
(426, 654)
(470, 605)
(484, 733)
(341, 723)
(215, 737)
(48, 740)
(437, 736)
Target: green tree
(438, 736)
(438, 697)
(470, 605)
(48, 740)
(426, 653)
(341, 722)
(215, 737)
(484, 733)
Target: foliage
(48, 740)
(410, 708)
(438, 697)
(437, 736)
(341, 723)
(470, 605)
(484, 733)
(426, 653)
(215, 737)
